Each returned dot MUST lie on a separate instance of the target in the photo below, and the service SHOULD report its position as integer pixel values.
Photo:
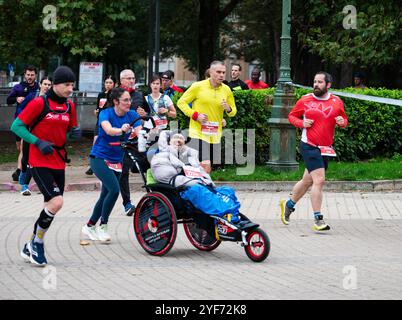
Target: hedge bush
(374, 129)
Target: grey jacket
(170, 162)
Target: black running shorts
(49, 181)
(312, 157)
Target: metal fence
(85, 103)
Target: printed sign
(91, 74)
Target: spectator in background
(236, 83)
(17, 95)
(26, 174)
(207, 75)
(160, 105)
(255, 82)
(358, 80)
(168, 87)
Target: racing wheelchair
(161, 210)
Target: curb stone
(271, 186)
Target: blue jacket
(22, 90)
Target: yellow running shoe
(320, 225)
(285, 212)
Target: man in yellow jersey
(209, 98)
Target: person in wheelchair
(174, 157)
(178, 165)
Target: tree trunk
(207, 34)
(277, 53)
(346, 75)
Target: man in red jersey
(255, 83)
(44, 124)
(317, 114)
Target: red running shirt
(323, 112)
(53, 128)
(259, 85)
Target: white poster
(91, 74)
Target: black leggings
(127, 166)
(24, 162)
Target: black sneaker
(25, 253)
(16, 175)
(129, 209)
(89, 172)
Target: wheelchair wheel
(258, 245)
(200, 238)
(155, 224)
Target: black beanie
(63, 74)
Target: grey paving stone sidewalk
(360, 258)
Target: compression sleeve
(21, 130)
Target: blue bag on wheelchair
(213, 201)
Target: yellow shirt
(207, 100)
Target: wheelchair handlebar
(146, 118)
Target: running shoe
(25, 190)
(37, 253)
(285, 212)
(25, 253)
(89, 172)
(320, 225)
(129, 209)
(103, 235)
(90, 232)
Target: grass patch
(8, 153)
(375, 169)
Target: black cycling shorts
(49, 181)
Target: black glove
(75, 133)
(44, 146)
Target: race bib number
(102, 102)
(118, 167)
(192, 172)
(327, 151)
(209, 128)
(161, 123)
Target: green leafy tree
(191, 29)
(84, 30)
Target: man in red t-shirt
(317, 114)
(255, 82)
(47, 154)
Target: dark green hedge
(374, 129)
